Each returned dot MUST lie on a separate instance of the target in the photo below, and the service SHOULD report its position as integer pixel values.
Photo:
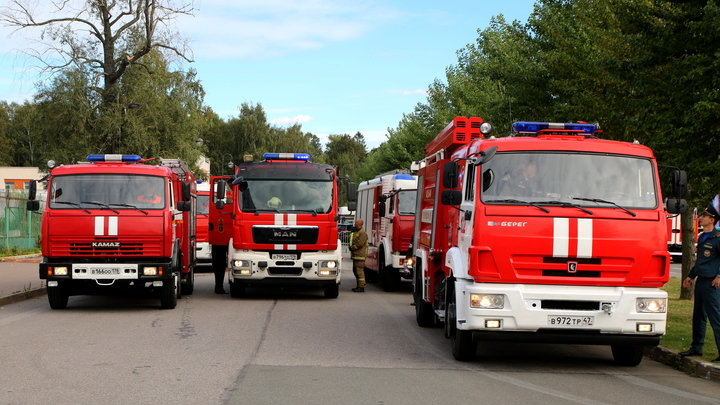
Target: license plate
(96, 271)
(577, 321)
(106, 271)
(284, 257)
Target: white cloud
(267, 28)
(288, 121)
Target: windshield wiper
(511, 201)
(598, 200)
(73, 204)
(565, 204)
(101, 205)
(130, 206)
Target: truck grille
(285, 236)
(145, 247)
(285, 271)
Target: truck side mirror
(451, 197)
(679, 183)
(676, 206)
(382, 209)
(219, 195)
(352, 206)
(32, 191)
(185, 191)
(33, 205)
(351, 192)
(450, 175)
(184, 205)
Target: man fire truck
(386, 204)
(551, 235)
(277, 226)
(204, 253)
(114, 224)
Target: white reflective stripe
(292, 219)
(561, 237)
(585, 237)
(112, 226)
(292, 247)
(278, 247)
(279, 219)
(99, 226)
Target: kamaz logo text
(106, 244)
(285, 234)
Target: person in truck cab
(149, 194)
(522, 183)
(706, 273)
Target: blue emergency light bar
(287, 156)
(402, 176)
(535, 127)
(114, 158)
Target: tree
(120, 34)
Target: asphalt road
(296, 347)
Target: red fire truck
(275, 224)
(549, 235)
(114, 224)
(204, 253)
(386, 204)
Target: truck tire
(58, 296)
(463, 347)
(188, 285)
(332, 290)
(237, 290)
(424, 313)
(389, 276)
(461, 343)
(626, 355)
(169, 293)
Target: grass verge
(679, 324)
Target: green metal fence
(19, 228)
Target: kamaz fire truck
(549, 235)
(113, 224)
(386, 204)
(204, 253)
(274, 223)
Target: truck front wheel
(626, 355)
(169, 293)
(463, 347)
(237, 290)
(58, 296)
(390, 276)
(332, 290)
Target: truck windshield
(287, 195)
(406, 202)
(107, 191)
(573, 178)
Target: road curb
(22, 296)
(690, 365)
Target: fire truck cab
(274, 223)
(114, 224)
(386, 204)
(548, 235)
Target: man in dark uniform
(707, 283)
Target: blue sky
(333, 66)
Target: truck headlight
(651, 305)
(327, 268)
(487, 301)
(150, 271)
(242, 264)
(61, 271)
